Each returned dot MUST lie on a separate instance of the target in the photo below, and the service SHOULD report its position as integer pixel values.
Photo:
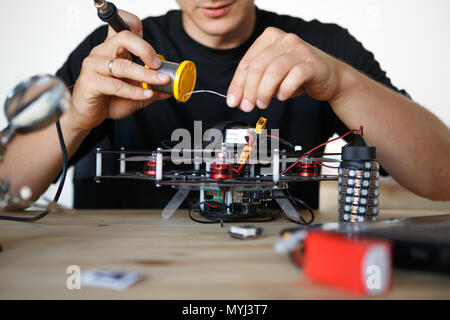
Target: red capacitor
(361, 266)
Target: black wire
(60, 186)
(294, 200)
(285, 142)
(223, 217)
(262, 217)
(311, 211)
(167, 144)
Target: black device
(421, 243)
(108, 13)
(240, 176)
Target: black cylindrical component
(358, 187)
(111, 16)
(358, 150)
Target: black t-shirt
(302, 121)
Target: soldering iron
(108, 13)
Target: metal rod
(123, 163)
(229, 199)
(98, 164)
(159, 166)
(276, 165)
(202, 198)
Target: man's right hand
(100, 94)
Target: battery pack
(358, 265)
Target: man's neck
(227, 41)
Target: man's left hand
(283, 65)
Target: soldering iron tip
(100, 4)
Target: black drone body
(238, 178)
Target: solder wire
(205, 91)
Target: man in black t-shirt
(309, 79)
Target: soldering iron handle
(111, 16)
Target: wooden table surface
(180, 259)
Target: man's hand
(100, 94)
(283, 65)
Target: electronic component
(358, 187)
(220, 169)
(307, 169)
(109, 279)
(360, 266)
(261, 125)
(245, 232)
(150, 167)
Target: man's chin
(218, 28)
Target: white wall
(409, 38)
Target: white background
(410, 38)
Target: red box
(359, 265)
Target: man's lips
(216, 12)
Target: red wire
(315, 148)
(211, 205)
(235, 170)
(274, 137)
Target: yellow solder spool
(183, 77)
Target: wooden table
(180, 259)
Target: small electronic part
(245, 154)
(260, 125)
(150, 167)
(220, 169)
(245, 232)
(109, 279)
(307, 169)
(236, 136)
